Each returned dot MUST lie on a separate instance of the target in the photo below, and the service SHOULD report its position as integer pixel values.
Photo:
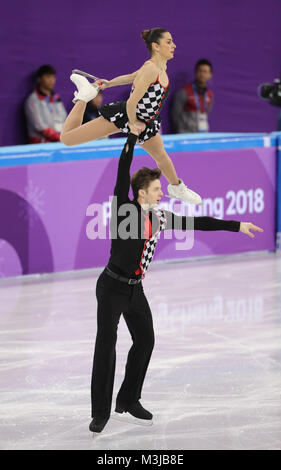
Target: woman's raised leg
(155, 147)
(73, 133)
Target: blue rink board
(279, 191)
(107, 148)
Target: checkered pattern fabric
(116, 116)
(149, 132)
(117, 113)
(150, 245)
(150, 104)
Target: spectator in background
(45, 112)
(91, 111)
(193, 103)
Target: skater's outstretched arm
(122, 185)
(121, 80)
(177, 222)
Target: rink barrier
(53, 198)
(110, 148)
(278, 196)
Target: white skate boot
(181, 192)
(86, 91)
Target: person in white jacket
(44, 110)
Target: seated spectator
(193, 103)
(45, 112)
(91, 111)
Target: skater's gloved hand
(137, 127)
(245, 227)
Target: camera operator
(272, 92)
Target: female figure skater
(140, 114)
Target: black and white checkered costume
(150, 244)
(150, 104)
(148, 109)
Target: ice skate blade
(127, 418)
(180, 200)
(87, 75)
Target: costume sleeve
(123, 180)
(176, 222)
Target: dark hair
(142, 178)
(152, 35)
(45, 70)
(203, 62)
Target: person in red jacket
(192, 104)
(44, 110)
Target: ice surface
(214, 380)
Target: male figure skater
(119, 287)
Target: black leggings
(115, 297)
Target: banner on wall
(50, 211)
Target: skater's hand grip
(137, 127)
(103, 83)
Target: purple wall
(241, 38)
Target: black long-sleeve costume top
(135, 232)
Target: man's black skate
(135, 414)
(98, 424)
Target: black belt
(121, 278)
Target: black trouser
(116, 297)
